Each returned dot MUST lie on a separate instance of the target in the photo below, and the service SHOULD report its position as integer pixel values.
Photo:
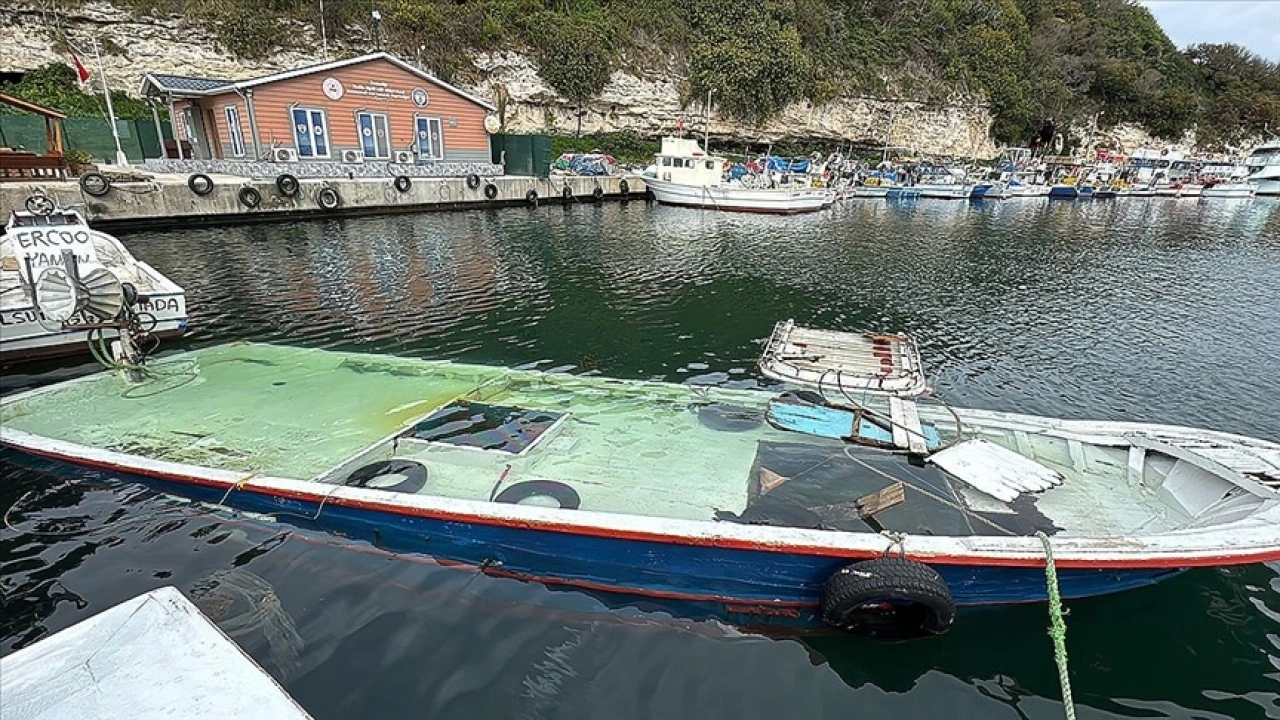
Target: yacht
(1264, 168)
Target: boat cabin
(682, 160)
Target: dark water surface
(1158, 310)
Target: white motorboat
(97, 287)
(155, 656)
(683, 174)
(1264, 168)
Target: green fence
(92, 135)
(523, 154)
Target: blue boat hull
(729, 583)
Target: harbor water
(1146, 309)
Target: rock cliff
(646, 102)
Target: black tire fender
(249, 196)
(624, 187)
(414, 476)
(328, 198)
(473, 181)
(889, 598)
(402, 183)
(287, 185)
(491, 191)
(531, 197)
(200, 184)
(567, 192)
(597, 193)
(95, 184)
(566, 496)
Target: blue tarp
(583, 165)
(798, 165)
(738, 170)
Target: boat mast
(706, 126)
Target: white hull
(945, 192)
(1235, 190)
(1028, 191)
(870, 192)
(738, 199)
(1270, 186)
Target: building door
(211, 134)
(430, 138)
(234, 131)
(375, 135)
(311, 132)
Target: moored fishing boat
(50, 251)
(1264, 168)
(683, 174)
(780, 507)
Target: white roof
(154, 657)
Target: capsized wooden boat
(725, 497)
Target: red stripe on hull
(645, 536)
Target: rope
(1058, 626)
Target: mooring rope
(1058, 626)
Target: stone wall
(637, 100)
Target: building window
(234, 131)
(375, 134)
(311, 132)
(430, 138)
(711, 165)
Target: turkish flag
(81, 72)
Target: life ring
(597, 193)
(287, 185)
(566, 192)
(39, 205)
(249, 196)
(565, 496)
(473, 181)
(405, 476)
(200, 184)
(490, 191)
(95, 184)
(402, 183)
(531, 197)
(328, 198)
(624, 187)
(890, 598)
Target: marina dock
(166, 200)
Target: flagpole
(121, 158)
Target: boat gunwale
(1243, 541)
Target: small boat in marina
(1226, 180)
(1228, 189)
(683, 174)
(101, 288)
(846, 496)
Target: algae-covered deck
(660, 449)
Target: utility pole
(377, 23)
(121, 158)
(324, 35)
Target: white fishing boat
(1228, 189)
(154, 657)
(945, 184)
(92, 287)
(1264, 168)
(683, 174)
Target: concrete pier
(167, 200)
